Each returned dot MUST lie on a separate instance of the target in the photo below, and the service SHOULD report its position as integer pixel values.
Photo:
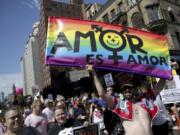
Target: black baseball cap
(126, 85)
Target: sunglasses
(109, 89)
(127, 90)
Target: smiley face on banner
(112, 40)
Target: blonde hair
(60, 104)
(61, 108)
(36, 102)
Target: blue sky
(17, 18)
(15, 25)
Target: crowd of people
(132, 109)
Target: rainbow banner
(77, 43)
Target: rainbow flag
(73, 42)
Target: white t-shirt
(161, 116)
(49, 113)
(98, 118)
(39, 122)
(173, 84)
(177, 80)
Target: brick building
(53, 77)
(158, 16)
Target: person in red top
(135, 113)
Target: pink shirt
(39, 122)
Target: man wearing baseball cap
(135, 114)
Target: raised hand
(89, 67)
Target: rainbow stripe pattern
(73, 42)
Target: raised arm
(161, 83)
(159, 86)
(101, 92)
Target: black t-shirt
(57, 128)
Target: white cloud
(32, 3)
(27, 4)
(7, 81)
(36, 3)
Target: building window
(90, 16)
(171, 15)
(152, 12)
(121, 7)
(131, 3)
(93, 13)
(113, 13)
(106, 18)
(48, 9)
(55, 5)
(178, 37)
(137, 20)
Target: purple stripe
(108, 65)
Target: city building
(30, 63)
(10, 97)
(158, 16)
(2, 97)
(91, 9)
(54, 79)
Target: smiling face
(112, 39)
(109, 90)
(128, 93)
(14, 121)
(60, 116)
(127, 90)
